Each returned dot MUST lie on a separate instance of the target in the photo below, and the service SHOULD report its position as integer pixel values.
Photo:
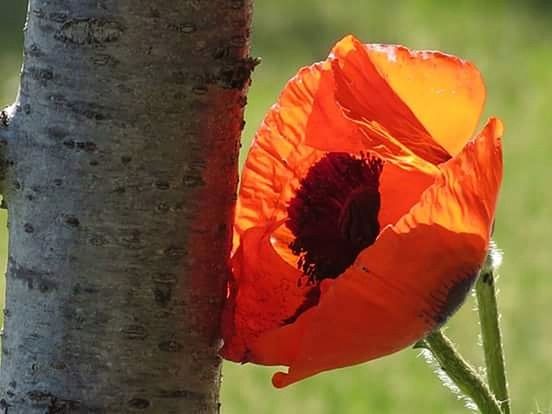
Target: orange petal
(471, 179)
(264, 291)
(444, 92)
(407, 283)
(367, 97)
(400, 190)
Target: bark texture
(120, 159)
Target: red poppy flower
(364, 211)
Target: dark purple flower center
(334, 214)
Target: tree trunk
(120, 158)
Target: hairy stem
(460, 372)
(491, 335)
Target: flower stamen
(334, 214)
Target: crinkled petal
(409, 282)
(278, 157)
(445, 93)
(264, 291)
(367, 97)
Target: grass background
(511, 43)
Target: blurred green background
(511, 42)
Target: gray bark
(120, 172)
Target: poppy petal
(365, 95)
(471, 179)
(410, 281)
(264, 291)
(400, 190)
(444, 92)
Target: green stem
(491, 335)
(460, 372)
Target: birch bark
(120, 164)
